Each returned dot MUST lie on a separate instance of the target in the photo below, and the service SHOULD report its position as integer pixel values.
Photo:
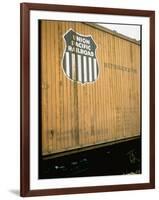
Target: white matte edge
(35, 183)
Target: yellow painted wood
(77, 115)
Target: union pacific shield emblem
(79, 58)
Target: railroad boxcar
(89, 87)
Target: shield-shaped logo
(79, 58)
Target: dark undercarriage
(117, 159)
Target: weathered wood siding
(78, 115)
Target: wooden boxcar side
(78, 115)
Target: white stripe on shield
(67, 64)
(95, 68)
(85, 68)
(73, 67)
(79, 68)
(90, 68)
